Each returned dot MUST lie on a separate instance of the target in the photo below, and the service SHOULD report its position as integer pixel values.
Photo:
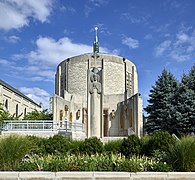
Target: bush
(97, 162)
(40, 144)
(12, 149)
(113, 146)
(131, 146)
(76, 146)
(158, 141)
(182, 155)
(91, 146)
(145, 145)
(57, 144)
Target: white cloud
(12, 39)
(130, 42)
(35, 73)
(50, 52)
(38, 95)
(4, 62)
(134, 19)
(99, 3)
(15, 14)
(91, 6)
(182, 37)
(162, 47)
(148, 36)
(115, 51)
(181, 48)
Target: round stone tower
(103, 90)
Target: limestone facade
(101, 91)
(15, 102)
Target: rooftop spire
(96, 43)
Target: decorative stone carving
(95, 81)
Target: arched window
(16, 110)
(6, 104)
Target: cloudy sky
(35, 35)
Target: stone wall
(97, 175)
(30, 133)
(114, 74)
(13, 99)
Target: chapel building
(100, 91)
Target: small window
(6, 104)
(24, 111)
(16, 110)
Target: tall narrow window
(24, 111)
(16, 110)
(6, 104)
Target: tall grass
(12, 149)
(182, 155)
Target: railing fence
(41, 125)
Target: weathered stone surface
(181, 176)
(111, 176)
(97, 176)
(149, 176)
(9, 175)
(116, 82)
(36, 175)
(74, 175)
(16, 100)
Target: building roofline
(89, 54)
(17, 92)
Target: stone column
(95, 114)
(95, 103)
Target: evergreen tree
(191, 79)
(185, 104)
(161, 110)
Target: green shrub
(158, 141)
(40, 144)
(91, 146)
(57, 144)
(113, 146)
(145, 145)
(131, 146)
(97, 162)
(182, 155)
(76, 146)
(12, 149)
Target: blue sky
(35, 35)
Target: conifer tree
(191, 79)
(185, 104)
(161, 110)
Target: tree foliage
(5, 115)
(38, 115)
(172, 104)
(131, 146)
(161, 108)
(185, 103)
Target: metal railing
(70, 126)
(27, 125)
(41, 125)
